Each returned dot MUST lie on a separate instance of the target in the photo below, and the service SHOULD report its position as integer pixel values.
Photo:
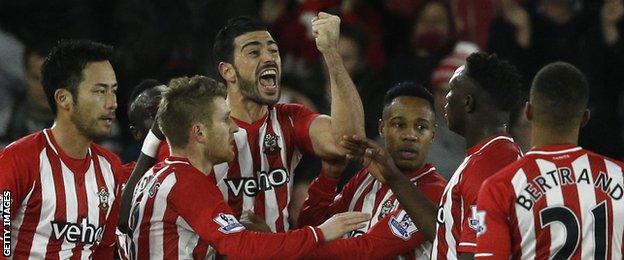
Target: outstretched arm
(146, 160)
(347, 113)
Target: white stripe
(374, 218)
(498, 138)
(282, 143)
(615, 171)
(315, 235)
(368, 204)
(71, 207)
(139, 189)
(526, 221)
(45, 133)
(467, 244)
(359, 191)
(587, 201)
(554, 152)
(93, 203)
(432, 169)
(48, 207)
(187, 239)
(156, 220)
(483, 254)
(17, 222)
(271, 210)
(554, 198)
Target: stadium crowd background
(382, 42)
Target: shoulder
(292, 109)
(607, 159)
(25, 147)
(111, 157)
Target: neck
(543, 136)
(481, 129)
(195, 156)
(242, 108)
(69, 139)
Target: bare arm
(144, 163)
(347, 113)
(422, 212)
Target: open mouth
(108, 120)
(268, 79)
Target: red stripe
(542, 236)
(571, 200)
(171, 237)
(54, 245)
(101, 184)
(235, 202)
(29, 223)
(200, 250)
(441, 234)
(514, 224)
(144, 246)
(598, 165)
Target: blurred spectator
(11, 74)
(590, 39)
(520, 126)
(448, 148)
(473, 19)
(432, 38)
(30, 112)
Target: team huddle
(215, 175)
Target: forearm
(347, 112)
(416, 204)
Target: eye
(422, 127)
(254, 53)
(398, 125)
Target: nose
(111, 101)
(410, 134)
(233, 126)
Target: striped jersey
(558, 202)
(179, 213)
(259, 179)
(58, 207)
(457, 223)
(390, 231)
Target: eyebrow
(105, 85)
(269, 42)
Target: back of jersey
(559, 202)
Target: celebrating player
(481, 95)
(560, 201)
(178, 210)
(408, 127)
(273, 136)
(59, 185)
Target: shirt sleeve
(494, 238)
(322, 202)
(395, 234)
(302, 118)
(474, 176)
(16, 180)
(212, 219)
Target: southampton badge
(271, 143)
(386, 208)
(103, 194)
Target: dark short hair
(410, 89)
(63, 66)
(223, 48)
(145, 84)
(559, 95)
(187, 101)
(497, 77)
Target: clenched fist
(326, 30)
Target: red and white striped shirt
(457, 223)
(390, 231)
(559, 201)
(268, 150)
(179, 213)
(59, 206)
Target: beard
(249, 89)
(86, 125)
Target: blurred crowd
(382, 42)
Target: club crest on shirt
(402, 226)
(386, 208)
(270, 143)
(103, 195)
(228, 223)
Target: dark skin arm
(144, 163)
(382, 167)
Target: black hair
(559, 94)
(223, 48)
(63, 66)
(497, 77)
(410, 89)
(143, 86)
(40, 48)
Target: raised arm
(347, 113)
(146, 160)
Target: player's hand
(254, 223)
(326, 31)
(371, 155)
(341, 223)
